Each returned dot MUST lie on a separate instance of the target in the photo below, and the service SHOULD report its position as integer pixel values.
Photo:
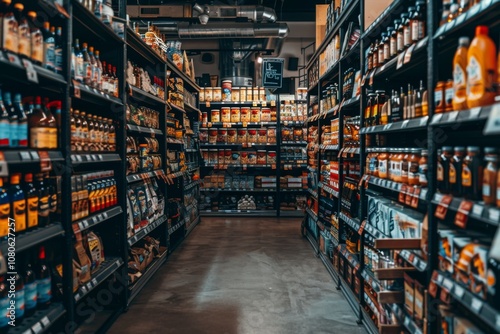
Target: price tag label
(442, 207)
(362, 227)
(400, 62)
(254, 104)
(477, 210)
(448, 284)
(459, 291)
(273, 103)
(460, 19)
(477, 305)
(436, 118)
(406, 322)
(463, 214)
(31, 74)
(408, 53)
(494, 215)
(37, 328)
(452, 116)
(474, 10)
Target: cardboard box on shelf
(373, 9)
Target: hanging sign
(272, 72)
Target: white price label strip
(477, 305)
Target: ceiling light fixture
(203, 13)
(259, 59)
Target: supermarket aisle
(241, 275)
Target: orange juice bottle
(460, 74)
(481, 69)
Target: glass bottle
(43, 201)
(112, 136)
(44, 281)
(394, 39)
(375, 54)
(104, 78)
(105, 141)
(419, 99)
(49, 52)
(79, 63)
(87, 65)
(419, 20)
(9, 29)
(93, 65)
(455, 171)
(4, 124)
(18, 202)
(472, 173)
(92, 133)
(369, 109)
(423, 168)
(58, 51)
(13, 120)
(36, 38)
(101, 133)
(84, 132)
(400, 29)
(23, 32)
(370, 58)
(98, 72)
(116, 85)
(381, 59)
(443, 168)
(379, 102)
(74, 138)
(387, 45)
(30, 287)
(38, 124)
(32, 201)
(489, 176)
(408, 24)
(22, 121)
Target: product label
(44, 293)
(466, 176)
(382, 166)
(79, 70)
(58, 59)
(32, 211)
(50, 54)
(422, 173)
(52, 136)
(4, 132)
(440, 172)
(24, 45)
(37, 46)
(14, 133)
(19, 214)
(413, 170)
(4, 313)
(407, 35)
(31, 295)
(486, 190)
(97, 76)
(474, 76)
(22, 128)
(393, 47)
(53, 203)
(387, 51)
(43, 206)
(20, 306)
(400, 42)
(4, 219)
(459, 76)
(414, 30)
(10, 35)
(438, 97)
(449, 93)
(396, 169)
(453, 174)
(39, 137)
(89, 71)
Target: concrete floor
(241, 275)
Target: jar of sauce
(472, 172)
(204, 117)
(255, 115)
(383, 161)
(262, 136)
(221, 160)
(212, 135)
(235, 115)
(265, 115)
(398, 161)
(368, 110)
(423, 168)
(413, 159)
(225, 114)
(209, 95)
(235, 94)
(490, 174)
(243, 94)
(404, 167)
(215, 116)
(271, 157)
(228, 156)
(242, 136)
(455, 172)
(261, 157)
(252, 158)
(222, 136)
(245, 114)
(443, 168)
(374, 162)
(439, 101)
(252, 136)
(243, 156)
(232, 136)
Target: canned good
(204, 154)
(261, 157)
(222, 136)
(215, 116)
(202, 95)
(252, 136)
(265, 115)
(225, 114)
(244, 158)
(271, 135)
(271, 157)
(226, 90)
(212, 157)
(204, 117)
(252, 158)
(217, 94)
(262, 136)
(212, 135)
(255, 115)
(231, 136)
(227, 156)
(242, 136)
(221, 157)
(203, 135)
(209, 94)
(235, 115)
(245, 114)
(235, 94)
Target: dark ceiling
(287, 10)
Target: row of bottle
(33, 289)
(31, 124)
(451, 9)
(87, 68)
(405, 32)
(91, 133)
(466, 172)
(21, 35)
(140, 78)
(403, 165)
(381, 110)
(30, 204)
(475, 75)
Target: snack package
(136, 210)
(463, 250)
(445, 255)
(96, 250)
(81, 260)
(143, 204)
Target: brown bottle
(443, 167)
(455, 171)
(84, 132)
(472, 173)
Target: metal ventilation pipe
(229, 30)
(257, 14)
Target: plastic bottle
(481, 69)
(460, 74)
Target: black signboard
(272, 72)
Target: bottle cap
(459, 148)
(447, 148)
(474, 149)
(19, 6)
(41, 253)
(464, 41)
(490, 150)
(28, 177)
(15, 178)
(482, 30)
